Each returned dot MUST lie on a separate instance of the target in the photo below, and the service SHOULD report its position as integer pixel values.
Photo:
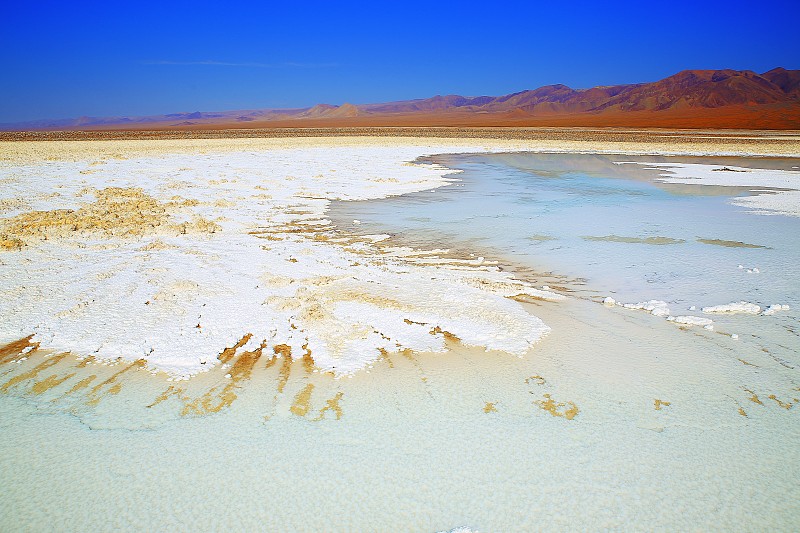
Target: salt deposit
(654, 307)
(733, 308)
(690, 320)
(774, 308)
(780, 189)
(171, 259)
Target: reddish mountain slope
(688, 99)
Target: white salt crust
(660, 309)
(733, 308)
(654, 307)
(177, 300)
(774, 308)
(690, 320)
(782, 196)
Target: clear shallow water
(584, 216)
(417, 446)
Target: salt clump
(734, 308)
(774, 308)
(654, 307)
(690, 320)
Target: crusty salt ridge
(774, 308)
(690, 320)
(654, 307)
(660, 308)
(733, 308)
(262, 263)
(784, 201)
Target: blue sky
(69, 59)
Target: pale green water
(417, 455)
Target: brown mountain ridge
(689, 99)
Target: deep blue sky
(68, 59)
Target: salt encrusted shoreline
(173, 258)
(779, 190)
(236, 246)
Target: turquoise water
(550, 212)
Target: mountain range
(688, 99)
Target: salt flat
(181, 314)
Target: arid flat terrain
(615, 140)
(689, 99)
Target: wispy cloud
(212, 63)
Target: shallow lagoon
(616, 225)
(618, 419)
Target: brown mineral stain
(527, 299)
(746, 362)
(116, 387)
(115, 212)
(228, 353)
(385, 357)
(447, 335)
(302, 401)
(537, 380)
(490, 407)
(785, 405)
(741, 412)
(566, 410)
(11, 350)
(87, 361)
(47, 363)
(661, 403)
(332, 405)
(754, 397)
(12, 244)
(171, 391)
(308, 361)
(285, 351)
(216, 398)
(408, 353)
(48, 383)
(82, 384)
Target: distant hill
(688, 99)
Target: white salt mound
(774, 308)
(733, 308)
(654, 307)
(690, 320)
